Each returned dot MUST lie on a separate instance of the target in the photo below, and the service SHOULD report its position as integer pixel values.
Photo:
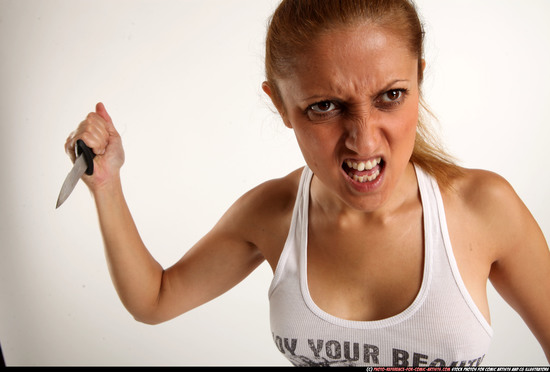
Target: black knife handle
(88, 154)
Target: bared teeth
(363, 179)
(363, 165)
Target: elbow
(151, 310)
(149, 319)
(152, 316)
(149, 316)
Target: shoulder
(277, 195)
(484, 193)
(262, 215)
(489, 208)
(481, 190)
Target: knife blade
(84, 164)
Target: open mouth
(363, 171)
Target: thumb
(101, 111)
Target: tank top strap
(297, 232)
(432, 202)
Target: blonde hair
(295, 23)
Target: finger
(69, 146)
(102, 111)
(96, 141)
(93, 132)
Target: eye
(322, 107)
(392, 95)
(322, 110)
(390, 99)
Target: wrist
(106, 188)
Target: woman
(381, 247)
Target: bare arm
(136, 275)
(521, 271)
(151, 294)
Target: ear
(423, 63)
(276, 100)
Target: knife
(84, 164)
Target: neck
(330, 205)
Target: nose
(362, 133)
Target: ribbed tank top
(442, 327)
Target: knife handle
(88, 154)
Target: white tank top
(442, 327)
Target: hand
(98, 132)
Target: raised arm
(151, 294)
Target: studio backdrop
(182, 82)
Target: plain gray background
(182, 82)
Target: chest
(366, 271)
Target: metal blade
(71, 180)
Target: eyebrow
(392, 83)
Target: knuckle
(88, 139)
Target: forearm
(135, 274)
